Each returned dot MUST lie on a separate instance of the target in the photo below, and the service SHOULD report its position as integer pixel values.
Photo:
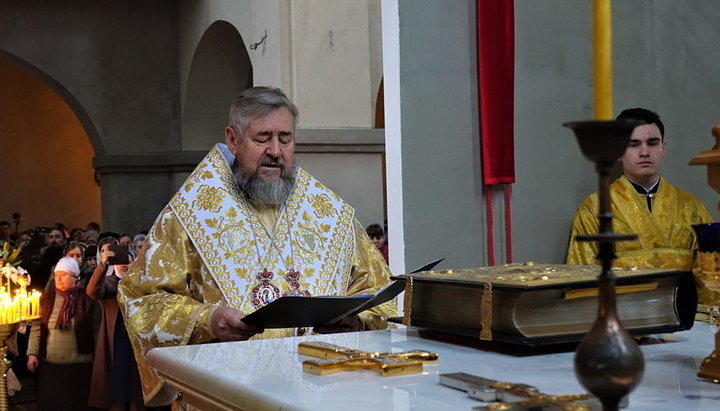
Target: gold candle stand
(709, 265)
(6, 331)
(709, 262)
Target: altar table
(267, 374)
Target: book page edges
(620, 289)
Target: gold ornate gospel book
(529, 303)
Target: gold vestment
(665, 235)
(170, 292)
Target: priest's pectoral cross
(333, 358)
(516, 397)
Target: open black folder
(295, 311)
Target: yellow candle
(602, 59)
(36, 304)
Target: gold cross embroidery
(334, 358)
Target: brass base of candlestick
(710, 367)
(5, 331)
(709, 264)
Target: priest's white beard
(263, 191)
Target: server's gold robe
(185, 271)
(665, 235)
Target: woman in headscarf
(115, 380)
(61, 349)
(74, 250)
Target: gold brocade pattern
(208, 199)
(665, 236)
(197, 259)
(219, 212)
(322, 205)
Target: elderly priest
(248, 226)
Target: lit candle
(602, 59)
(3, 311)
(36, 304)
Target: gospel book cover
(531, 303)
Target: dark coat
(103, 390)
(83, 320)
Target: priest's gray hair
(257, 102)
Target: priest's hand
(227, 325)
(345, 325)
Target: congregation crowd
(79, 355)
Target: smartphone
(121, 256)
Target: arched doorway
(46, 168)
(220, 70)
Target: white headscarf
(68, 265)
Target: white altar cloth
(267, 374)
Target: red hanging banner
(496, 67)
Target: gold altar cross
(509, 396)
(334, 358)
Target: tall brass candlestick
(5, 331)
(608, 362)
(708, 257)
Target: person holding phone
(115, 378)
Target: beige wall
(331, 71)
(326, 55)
(46, 169)
(251, 18)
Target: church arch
(220, 70)
(47, 145)
(66, 95)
